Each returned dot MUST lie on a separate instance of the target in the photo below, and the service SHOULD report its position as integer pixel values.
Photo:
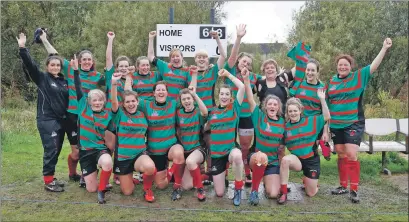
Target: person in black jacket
(52, 103)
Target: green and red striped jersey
(190, 125)
(176, 79)
(143, 84)
(205, 85)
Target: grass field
(24, 199)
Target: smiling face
(343, 67)
(272, 108)
(294, 113)
(160, 93)
(311, 72)
(54, 66)
(123, 68)
(187, 101)
(86, 61)
(176, 58)
(96, 99)
(270, 70)
(143, 66)
(244, 62)
(202, 61)
(225, 96)
(130, 103)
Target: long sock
(72, 165)
(104, 179)
(170, 172)
(354, 173)
(197, 182)
(258, 173)
(177, 173)
(148, 180)
(205, 177)
(284, 188)
(343, 172)
(48, 179)
(238, 184)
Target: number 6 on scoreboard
(204, 32)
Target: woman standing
(52, 120)
(345, 94)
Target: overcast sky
(267, 21)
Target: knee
(178, 156)
(237, 160)
(191, 164)
(91, 189)
(351, 156)
(220, 193)
(127, 192)
(162, 185)
(149, 169)
(187, 186)
(285, 162)
(311, 193)
(106, 164)
(272, 194)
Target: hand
(21, 40)
(74, 63)
(321, 93)
(115, 77)
(387, 43)
(245, 73)
(325, 137)
(214, 34)
(111, 35)
(152, 34)
(223, 73)
(43, 35)
(241, 30)
(131, 69)
(192, 90)
(193, 69)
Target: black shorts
(246, 123)
(311, 167)
(350, 134)
(270, 169)
(161, 161)
(219, 165)
(125, 167)
(201, 149)
(69, 124)
(89, 160)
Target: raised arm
(249, 92)
(236, 82)
(387, 43)
(325, 110)
(77, 80)
(223, 56)
(129, 78)
(108, 53)
(114, 91)
(193, 72)
(32, 68)
(50, 49)
(151, 50)
(241, 31)
(200, 103)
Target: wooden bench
(383, 127)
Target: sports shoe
(108, 187)
(148, 195)
(353, 195)
(101, 197)
(237, 197)
(282, 199)
(339, 190)
(59, 182)
(254, 200)
(53, 187)
(201, 195)
(74, 178)
(176, 194)
(82, 183)
(248, 181)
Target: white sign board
(189, 38)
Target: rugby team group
(144, 119)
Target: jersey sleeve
(228, 68)
(365, 75)
(82, 104)
(116, 117)
(236, 107)
(141, 105)
(255, 115)
(215, 71)
(319, 123)
(65, 68)
(108, 75)
(161, 65)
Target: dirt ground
(400, 181)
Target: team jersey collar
(190, 111)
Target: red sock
(205, 177)
(238, 184)
(343, 172)
(197, 182)
(170, 172)
(177, 173)
(354, 173)
(284, 188)
(148, 180)
(258, 173)
(48, 179)
(104, 179)
(227, 169)
(72, 165)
